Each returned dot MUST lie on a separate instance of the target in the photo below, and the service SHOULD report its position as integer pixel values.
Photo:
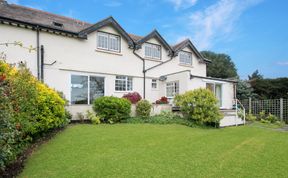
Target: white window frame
(155, 82)
(185, 58)
(126, 80)
(153, 49)
(109, 42)
(88, 85)
(174, 86)
(214, 91)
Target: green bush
(261, 115)
(143, 109)
(199, 105)
(272, 118)
(112, 109)
(250, 117)
(28, 108)
(92, 117)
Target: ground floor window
(217, 90)
(154, 84)
(84, 89)
(172, 89)
(123, 83)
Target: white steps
(230, 118)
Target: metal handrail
(243, 108)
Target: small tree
(199, 105)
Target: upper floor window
(108, 42)
(152, 51)
(185, 58)
(123, 83)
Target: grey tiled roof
(135, 37)
(39, 17)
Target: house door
(217, 90)
(218, 93)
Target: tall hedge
(199, 105)
(28, 107)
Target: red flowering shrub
(162, 100)
(133, 97)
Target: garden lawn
(145, 150)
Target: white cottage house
(86, 61)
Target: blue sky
(253, 32)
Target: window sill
(152, 59)
(109, 52)
(123, 91)
(186, 65)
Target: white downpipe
(236, 114)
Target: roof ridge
(49, 13)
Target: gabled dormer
(109, 35)
(185, 50)
(153, 46)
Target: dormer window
(185, 58)
(57, 24)
(152, 51)
(107, 41)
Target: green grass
(146, 150)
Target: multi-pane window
(154, 84)
(84, 89)
(123, 83)
(108, 41)
(172, 89)
(185, 58)
(152, 51)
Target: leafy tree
(270, 88)
(255, 75)
(245, 90)
(221, 66)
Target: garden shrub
(199, 105)
(29, 109)
(93, 117)
(133, 97)
(162, 100)
(112, 109)
(261, 115)
(143, 109)
(272, 118)
(250, 117)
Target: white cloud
(113, 4)
(13, 1)
(183, 4)
(285, 63)
(217, 21)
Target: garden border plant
(29, 110)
